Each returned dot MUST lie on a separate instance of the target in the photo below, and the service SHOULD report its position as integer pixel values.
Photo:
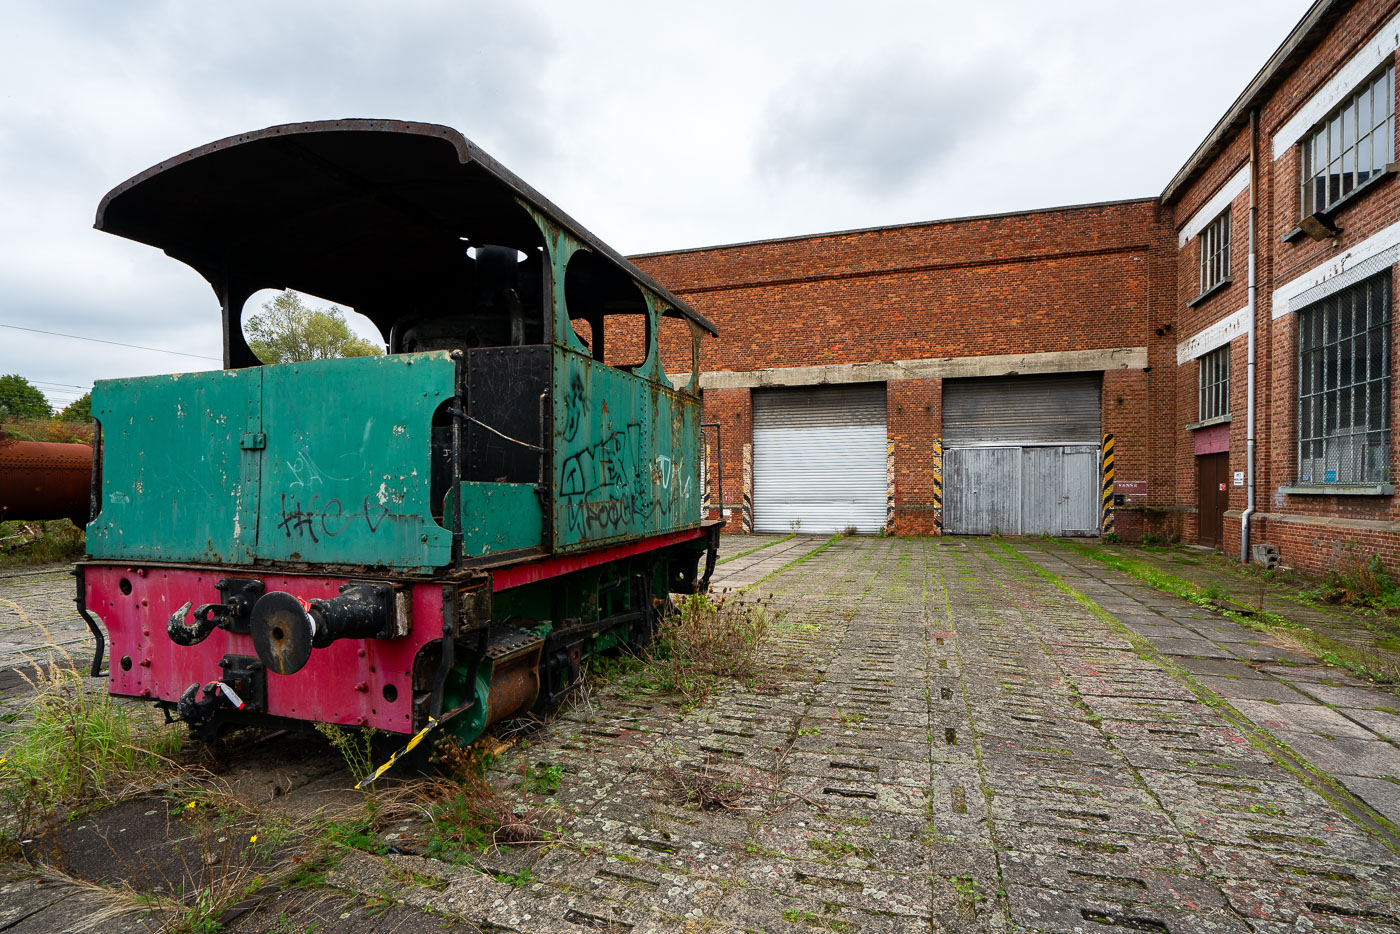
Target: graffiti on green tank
(625, 454)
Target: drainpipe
(1249, 317)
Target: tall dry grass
(708, 638)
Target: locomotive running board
(516, 575)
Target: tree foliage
(286, 331)
(79, 410)
(20, 399)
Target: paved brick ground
(1337, 722)
(985, 752)
(746, 559)
(37, 615)
(964, 736)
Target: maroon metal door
(1213, 490)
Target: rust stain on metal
(44, 480)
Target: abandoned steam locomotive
(442, 532)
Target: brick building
(1080, 369)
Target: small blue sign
(1331, 476)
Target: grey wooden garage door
(1022, 455)
(819, 459)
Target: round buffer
(282, 631)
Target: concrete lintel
(1236, 186)
(1069, 361)
(1213, 337)
(1361, 489)
(1342, 523)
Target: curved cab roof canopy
(373, 214)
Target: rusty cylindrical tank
(44, 480)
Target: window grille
(1353, 144)
(1215, 251)
(1344, 386)
(1214, 384)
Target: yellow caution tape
(433, 723)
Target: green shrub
(1358, 581)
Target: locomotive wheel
(506, 684)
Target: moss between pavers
(1372, 665)
(795, 562)
(1324, 784)
(743, 554)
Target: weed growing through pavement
(708, 789)
(467, 815)
(1358, 581)
(1363, 661)
(356, 747)
(811, 919)
(517, 879)
(707, 639)
(836, 848)
(966, 887)
(354, 833)
(1214, 592)
(544, 779)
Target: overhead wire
(98, 340)
(49, 382)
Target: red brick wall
(733, 410)
(1068, 279)
(1318, 544)
(1064, 279)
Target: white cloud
(656, 126)
(883, 125)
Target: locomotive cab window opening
(493, 299)
(287, 326)
(608, 312)
(678, 342)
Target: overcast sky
(656, 126)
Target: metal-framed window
(1344, 386)
(1215, 251)
(1356, 142)
(1213, 392)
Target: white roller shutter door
(819, 459)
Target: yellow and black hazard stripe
(747, 516)
(705, 485)
(936, 463)
(889, 488)
(1107, 523)
(433, 724)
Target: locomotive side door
(344, 476)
